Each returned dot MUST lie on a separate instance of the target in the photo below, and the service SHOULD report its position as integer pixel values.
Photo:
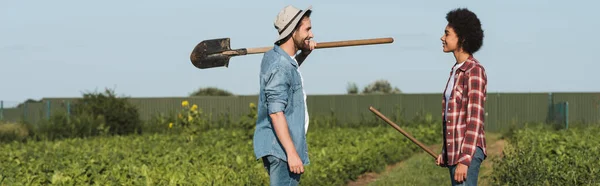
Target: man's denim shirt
(280, 90)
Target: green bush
(120, 115)
(544, 156)
(248, 122)
(13, 132)
(61, 126)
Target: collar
(280, 51)
(468, 63)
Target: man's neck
(461, 56)
(289, 47)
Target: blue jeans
(472, 171)
(279, 172)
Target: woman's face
(449, 40)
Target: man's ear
(293, 34)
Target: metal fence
(502, 109)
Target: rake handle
(332, 44)
(403, 132)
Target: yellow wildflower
(190, 118)
(252, 105)
(170, 125)
(185, 103)
(194, 107)
(180, 116)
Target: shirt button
(448, 144)
(448, 133)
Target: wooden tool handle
(332, 44)
(403, 132)
(354, 42)
(258, 50)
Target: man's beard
(300, 43)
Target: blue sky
(141, 48)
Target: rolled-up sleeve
(276, 90)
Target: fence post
(68, 108)
(550, 118)
(1, 110)
(25, 117)
(567, 114)
(47, 109)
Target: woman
(463, 101)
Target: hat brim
(293, 25)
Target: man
(280, 134)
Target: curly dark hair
(468, 29)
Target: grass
(417, 170)
(420, 169)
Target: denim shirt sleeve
(276, 90)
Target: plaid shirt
(464, 129)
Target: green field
(528, 156)
(339, 156)
(220, 157)
(106, 143)
(420, 169)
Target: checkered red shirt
(464, 129)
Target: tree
(381, 87)
(211, 91)
(28, 101)
(352, 88)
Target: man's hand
(460, 174)
(439, 160)
(282, 131)
(295, 164)
(309, 47)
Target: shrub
(248, 122)
(542, 156)
(120, 115)
(61, 126)
(13, 132)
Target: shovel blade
(209, 53)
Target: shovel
(217, 52)
(403, 132)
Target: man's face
(303, 34)
(449, 40)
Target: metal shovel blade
(209, 53)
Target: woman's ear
(461, 45)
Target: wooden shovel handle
(403, 132)
(332, 44)
(354, 42)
